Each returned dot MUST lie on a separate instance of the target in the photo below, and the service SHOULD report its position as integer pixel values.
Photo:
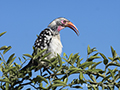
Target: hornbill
(49, 39)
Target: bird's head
(60, 23)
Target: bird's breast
(55, 46)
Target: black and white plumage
(49, 39)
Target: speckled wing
(44, 39)
(42, 42)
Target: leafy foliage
(60, 70)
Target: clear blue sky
(98, 22)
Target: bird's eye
(63, 21)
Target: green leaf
(92, 58)
(92, 77)
(59, 60)
(6, 50)
(70, 57)
(66, 80)
(112, 64)
(47, 54)
(65, 59)
(111, 58)
(5, 80)
(93, 49)
(96, 64)
(112, 74)
(86, 64)
(114, 54)
(116, 58)
(39, 53)
(2, 33)
(28, 55)
(81, 76)
(57, 85)
(74, 58)
(11, 59)
(20, 60)
(18, 66)
(78, 62)
(95, 54)
(88, 50)
(40, 79)
(64, 54)
(94, 70)
(105, 61)
(48, 61)
(3, 47)
(59, 82)
(73, 69)
(107, 77)
(7, 86)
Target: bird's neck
(54, 30)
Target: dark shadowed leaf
(76, 87)
(28, 89)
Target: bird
(49, 39)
